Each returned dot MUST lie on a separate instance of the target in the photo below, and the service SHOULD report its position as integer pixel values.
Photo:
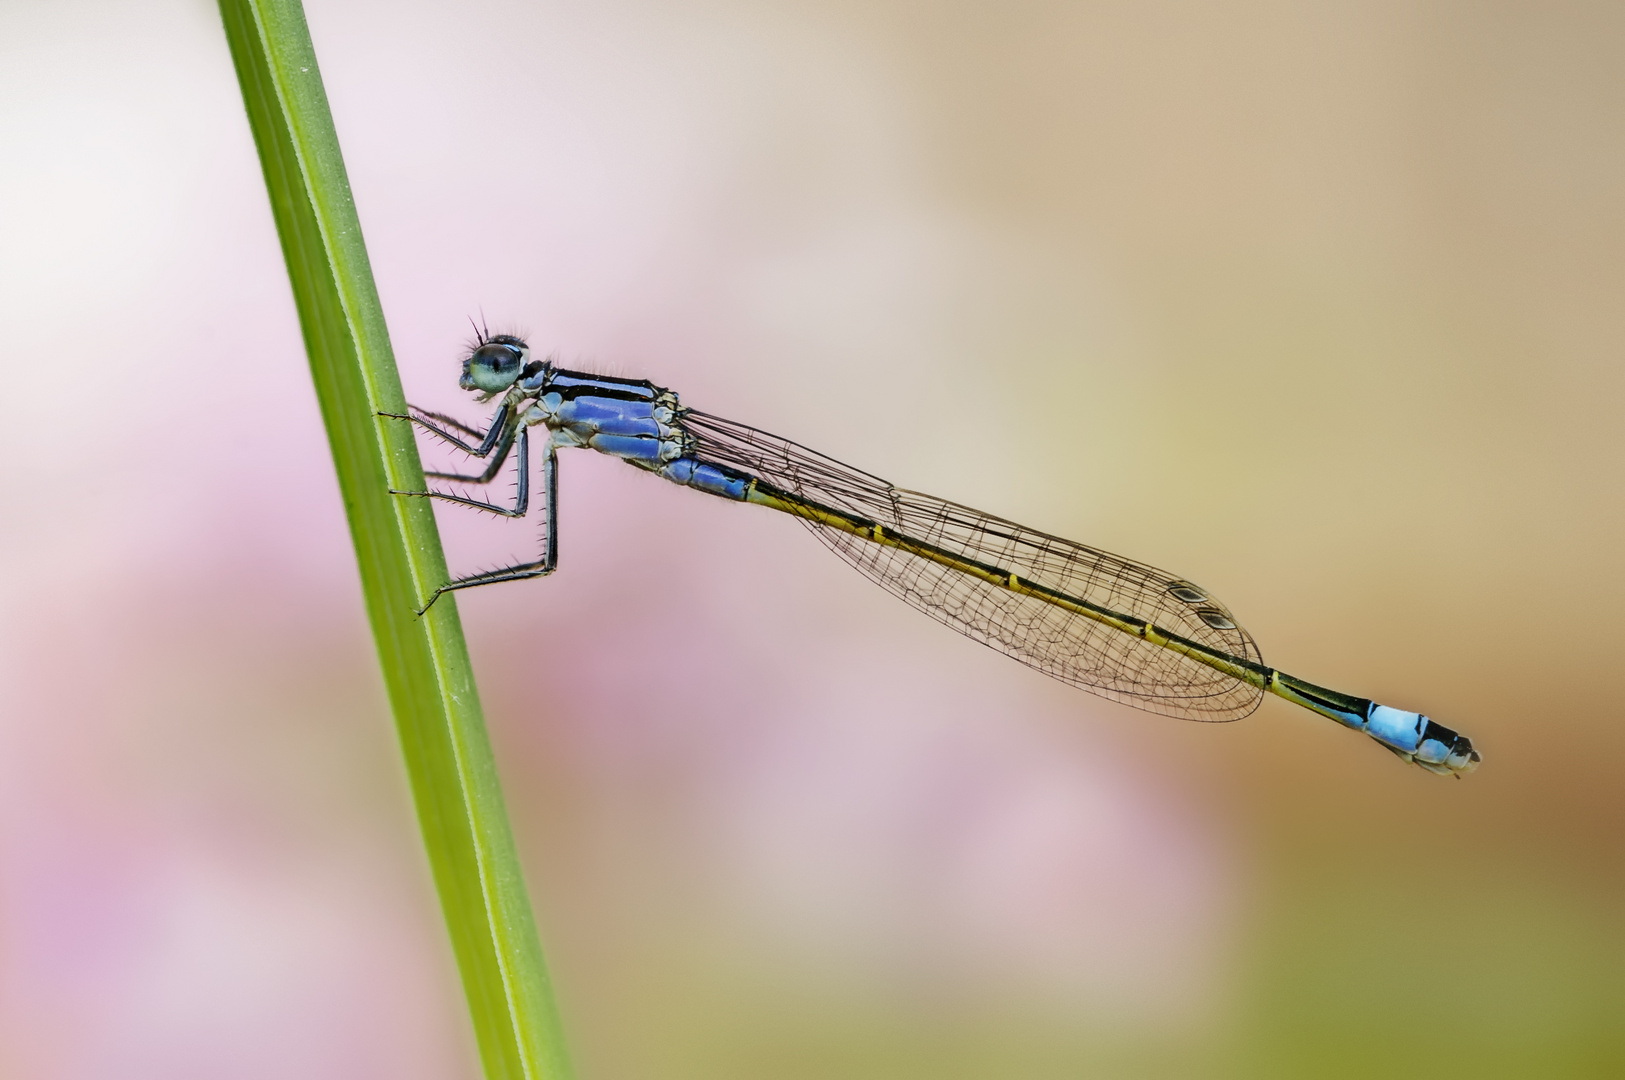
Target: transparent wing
(1060, 643)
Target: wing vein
(1061, 643)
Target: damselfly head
(495, 364)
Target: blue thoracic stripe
(572, 384)
(627, 447)
(596, 419)
(609, 415)
(639, 426)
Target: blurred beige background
(1318, 305)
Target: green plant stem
(424, 660)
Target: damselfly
(1106, 624)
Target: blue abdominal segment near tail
(1411, 736)
(711, 479)
(1115, 627)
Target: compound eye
(493, 367)
(498, 359)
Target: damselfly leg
(502, 437)
(441, 427)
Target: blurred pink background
(1318, 305)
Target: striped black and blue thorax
(632, 419)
